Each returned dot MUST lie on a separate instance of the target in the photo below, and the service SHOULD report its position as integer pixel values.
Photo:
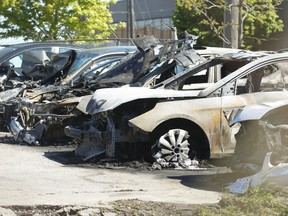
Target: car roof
(214, 51)
(109, 49)
(254, 65)
(234, 56)
(18, 48)
(41, 44)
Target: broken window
(273, 77)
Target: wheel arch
(194, 130)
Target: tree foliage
(7, 2)
(55, 19)
(259, 20)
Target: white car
(176, 118)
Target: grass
(258, 201)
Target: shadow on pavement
(213, 182)
(63, 157)
(7, 138)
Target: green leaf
(56, 19)
(207, 17)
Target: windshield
(80, 60)
(5, 51)
(98, 67)
(101, 67)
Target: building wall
(150, 17)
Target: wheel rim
(173, 146)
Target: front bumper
(93, 142)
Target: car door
(265, 83)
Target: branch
(260, 39)
(213, 5)
(34, 21)
(214, 28)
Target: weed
(258, 201)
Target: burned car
(93, 62)
(18, 60)
(178, 119)
(44, 112)
(263, 128)
(67, 68)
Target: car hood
(58, 66)
(110, 98)
(131, 67)
(152, 59)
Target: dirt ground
(121, 207)
(51, 181)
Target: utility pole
(232, 23)
(130, 19)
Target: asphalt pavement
(29, 176)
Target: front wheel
(172, 146)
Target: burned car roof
(229, 61)
(12, 50)
(258, 63)
(71, 65)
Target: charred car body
(18, 61)
(263, 128)
(43, 112)
(65, 68)
(143, 68)
(181, 120)
(68, 68)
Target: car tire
(174, 145)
